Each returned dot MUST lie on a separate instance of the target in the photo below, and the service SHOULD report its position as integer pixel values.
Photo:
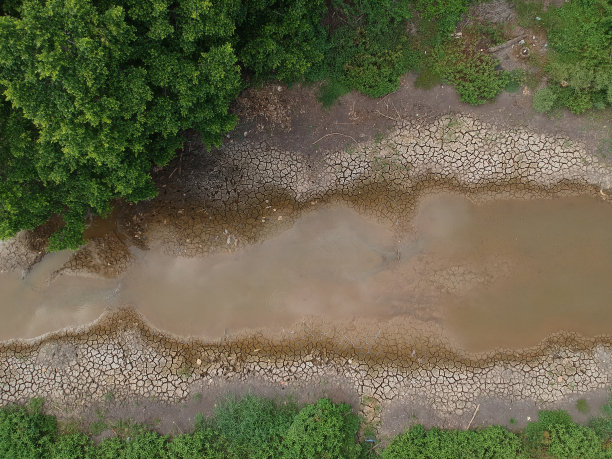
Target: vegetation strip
(254, 427)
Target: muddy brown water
(507, 273)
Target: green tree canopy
(100, 93)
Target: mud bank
(122, 355)
(251, 189)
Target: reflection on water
(507, 273)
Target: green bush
(204, 443)
(101, 92)
(544, 100)
(514, 79)
(580, 62)
(555, 434)
(602, 425)
(370, 50)
(491, 442)
(26, 433)
(472, 73)
(323, 430)
(281, 39)
(427, 79)
(437, 19)
(72, 446)
(254, 426)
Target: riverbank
(257, 186)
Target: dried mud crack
(250, 189)
(122, 355)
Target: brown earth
(404, 374)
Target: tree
(99, 94)
(281, 39)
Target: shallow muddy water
(501, 274)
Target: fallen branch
(472, 420)
(504, 45)
(335, 133)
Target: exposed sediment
(245, 191)
(122, 355)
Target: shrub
(254, 426)
(104, 91)
(370, 51)
(514, 80)
(582, 406)
(72, 446)
(323, 430)
(555, 434)
(580, 62)
(427, 79)
(281, 39)
(26, 432)
(574, 440)
(437, 19)
(602, 425)
(472, 73)
(492, 442)
(204, 443)
(145, 445)
(544, 100)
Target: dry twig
(335, 133)
(472, 420)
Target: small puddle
(501, 274)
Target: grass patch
(528, 12)
(428, 78)
(97, 427)
(582, 406)
(514, 80)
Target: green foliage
(145, 445)
(255, 426)
(580, 62)
(428, 78)
(370, 51)
(437, 19)
(100, 93)
(544, 100)
(602, 425)
(514, 79)
(472, 73)
(331, 90)
(557, 435)
(323, 430)
(492, 32)
(491, 442)
(281, 39)
(96, 93)
(582, 406)
(527, 12)
(72, 446)
(204, 443)
(26, 433)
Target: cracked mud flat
(252, 191)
